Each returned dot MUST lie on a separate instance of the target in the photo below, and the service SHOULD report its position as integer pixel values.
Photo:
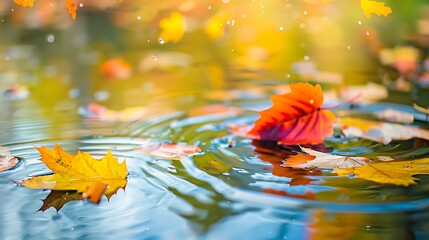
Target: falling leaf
(169, 151)
(7, 162)
(57, 199)
(78, 172)
(72, 8)
(173, 27)
(421, 109)
(323, 160)
(381, 131)
(295, 117)
(394, 172)
(24, 3)
(375, 7)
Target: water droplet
(154, 57)
(244, 15)
(349, 47)
(306, 58)
(161, 40)
(367, 227)
(172, 169)
(359, 22)
(305, 12)
(72, 229)
(209, 7)
(282, 28)
(80, 4)
(367, 33)
(311, 101)
(50, 38)
(139, 17)
(225, 173)
(287, 75)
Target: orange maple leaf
(72, 8)
(295, 117)
(24, 3)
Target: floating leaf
(170, 151)
(318, 159)
(392, 115)
(381, 131)
(7, 162)
(394, 172)
(375, 7)
(72, 8)
(94, 192)
(295, 117)
(78, 172)
(24, 3)
(173, 27)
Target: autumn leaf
(7, 162)
(168, 150)
(380, 131)
(394, 172)
(295, 117)
(316, 159)
(375, 7)
(24, 3)
(78, 172)
(72, 8)
(173, 27)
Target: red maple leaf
(295, 117)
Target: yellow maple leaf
(394, 172)
(370, 6)
(173, 27)
(79, 172)
(24, 3)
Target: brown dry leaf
(394, 172)
(7, 162)
(318, 159)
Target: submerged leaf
(79, 172)
(370, 6)
(315, 159)
(295, 117)
(394, 172)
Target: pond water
(126, 77)
(235, 187)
